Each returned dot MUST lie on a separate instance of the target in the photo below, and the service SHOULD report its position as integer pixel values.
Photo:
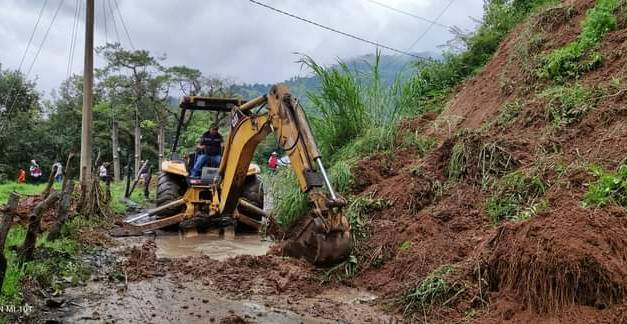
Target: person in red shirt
(21, 176)
(273, 162)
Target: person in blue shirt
(209, 150)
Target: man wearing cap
(209, 149)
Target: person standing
(21, 176)
(57, 168)
(273, 162)
(103, 172)
(35, 171)
(210, 149)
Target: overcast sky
(228, 38)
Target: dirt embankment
(566, 263)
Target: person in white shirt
(57, 168)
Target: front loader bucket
(136, 225)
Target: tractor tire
(253, 193)
(169, 189)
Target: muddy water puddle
(164, 301)
(215, 244)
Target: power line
(30, 40)
(73, 37)
(43, 41)
(115, 25)
(130, 41)
(431, 25)
(408, 14)
(104, 20)
(334, 30)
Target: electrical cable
(41, 44)
(73, 37)
(43, 41)
(130, 41)
(408, 14)
(115, 25)
(361, 39)
(431, 25)
(30, 40)
(104, 19)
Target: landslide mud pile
(559, 261)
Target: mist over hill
(390, 67)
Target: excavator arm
(324, 237)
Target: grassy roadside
(56, 264)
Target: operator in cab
(209, 150)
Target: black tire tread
(169, 189)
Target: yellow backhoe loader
(234, 190)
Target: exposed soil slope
(566, 263)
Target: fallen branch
(8, 213)
(27, 249)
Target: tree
(140, 65)
(19, 118)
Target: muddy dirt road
(212, 277)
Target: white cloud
(231, 38)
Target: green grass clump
(577, 58)
(508, 113)
(479, 159)
(55, 265)
(418, 142)
(434, 80)
(341, 176)
(358, 208)
(289, 204)
(436, 288)
(341, 271)
(610, 188)
(458, 163)
(568, 104)
(117, 194)
(348, 104)
(517, 196)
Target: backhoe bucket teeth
(320, 247)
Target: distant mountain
(390, 66)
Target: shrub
(577, 58)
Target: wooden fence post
(8, 213)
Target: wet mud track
(197, 279)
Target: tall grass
(349, 104)
(352, 114)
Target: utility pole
(88, 99)
(116, 151)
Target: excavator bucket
(318, 245)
